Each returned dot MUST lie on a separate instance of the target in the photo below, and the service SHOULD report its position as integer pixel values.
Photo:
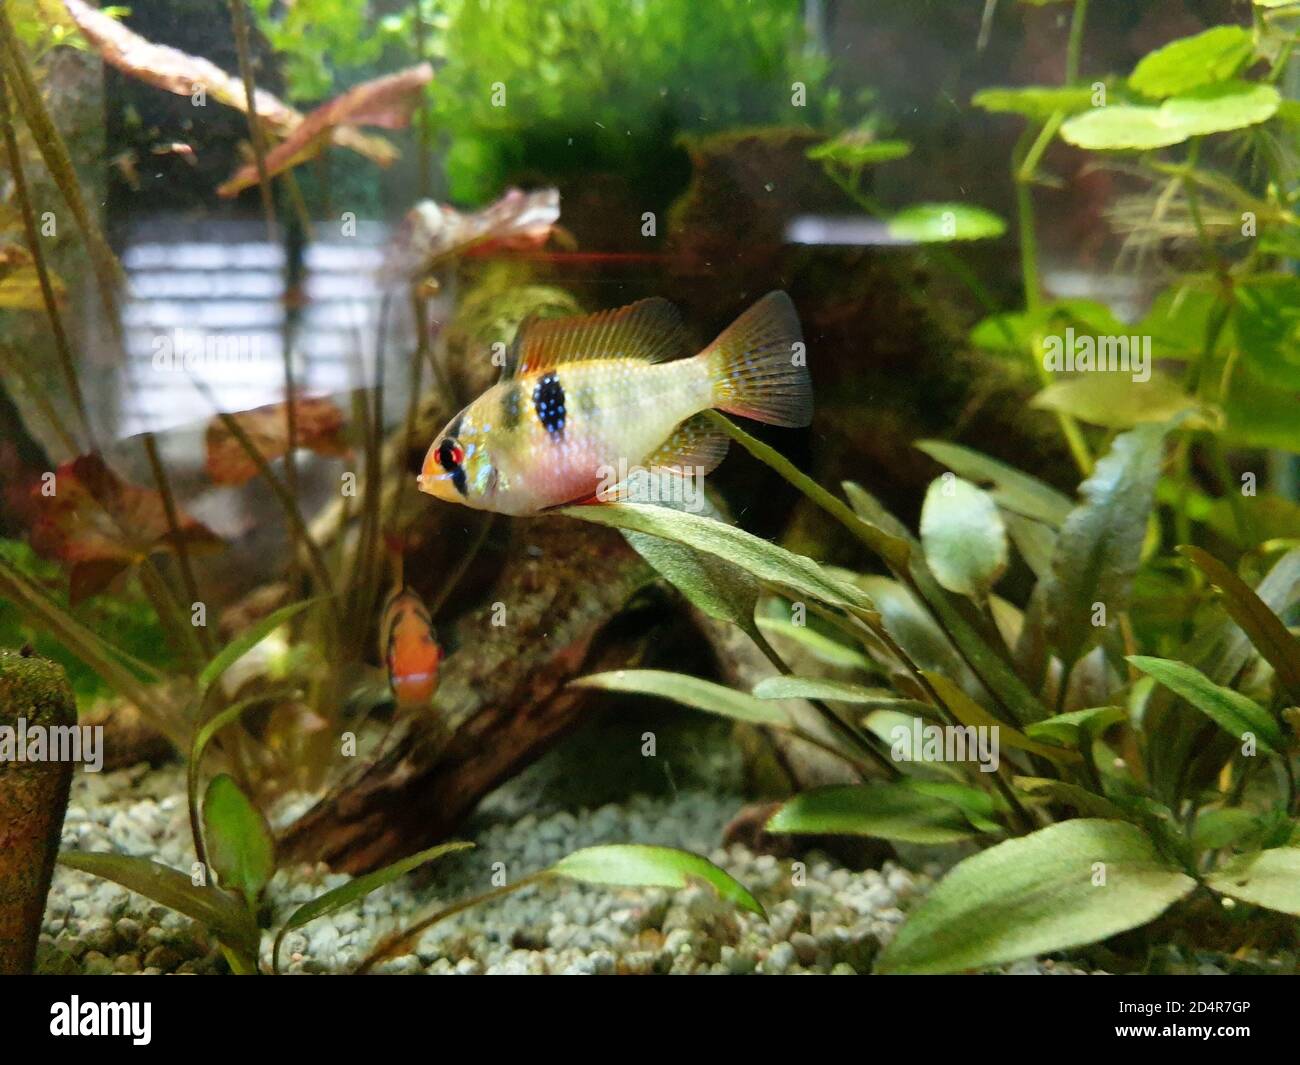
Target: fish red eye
(450, 455)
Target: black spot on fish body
(510, 404)
(458, 479)
(548, 401)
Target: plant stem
(239, 22)
(858, 740)
(173, 522)
(48, 297)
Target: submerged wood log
(34, 693)
(502, 698)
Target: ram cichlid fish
(581, 397)
(410, 649)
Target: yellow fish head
(458, 468)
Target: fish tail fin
(757, 365)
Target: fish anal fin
(649, 330)
(695, 446)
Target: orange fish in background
(410, 649)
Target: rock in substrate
(34, 693)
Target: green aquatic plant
(527, 87)
(1131, 769)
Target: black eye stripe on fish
(548, 401)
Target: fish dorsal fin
(649, 330)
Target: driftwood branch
(502, 699)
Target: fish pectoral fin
(696, 445)
(649, 330)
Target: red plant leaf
(387, 102)
(184, 74)
(318, 426)
(98, 524)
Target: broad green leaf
(1268, 878)
(240, 846)
(1120, 127)
(1233, 712)
(1017, 331)
(722, 591)
(967, 711)
(690, 691)
(820, 646)
(1100, 544)
(1264, 628)
(937, 223)
(245, 642)
(963, 536)
(854, 151)
(1215, 55)
(814, 688)
(1087, 803)
(1115, 401)
(1011, 489)
(1221, 108)
(1260, 414)
(1077, 727)
(221, 914)
(1038, 102)
(763, 559)
(1035, 894)
(883, 811)
(1224, 826)
(1218, 108)
(631, 865)
(354, 890)
(1266, 322)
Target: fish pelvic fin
(649, 330)
(758, 367)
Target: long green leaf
(1100, 544)
(635, 865)
(1233, 712)
(220, 913)
(815, 688)
(821, 647)
(354, 890)
(970, 713)
(1264, 628)
(1063, 886)
(690, 691)
(883, 811)
(765, 560)
(721, 590)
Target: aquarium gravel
(832, 922)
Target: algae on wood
(33, 799)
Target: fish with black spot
(581, 396)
